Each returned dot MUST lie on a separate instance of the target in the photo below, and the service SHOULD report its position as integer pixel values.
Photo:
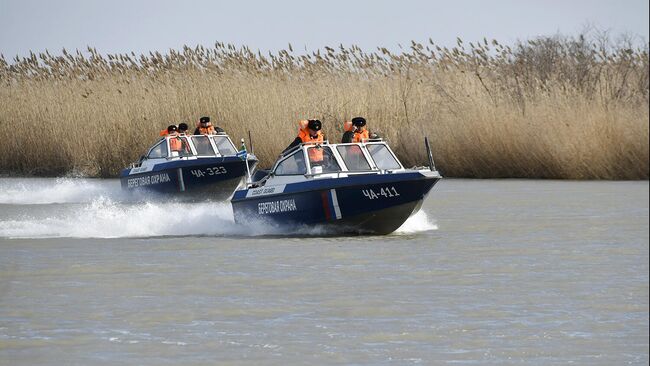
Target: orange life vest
(315, 155)
(164, 132)
(359, 136)
(176, 144)
(207, 130)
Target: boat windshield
(383, 158)
(202, 145)
(224, 145)
(324, 157)
(293, 165)
(353, 157)
(158, 151)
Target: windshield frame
(213, 140)
(364, 151)
(287, 157)
(215, 151)
(390, 151)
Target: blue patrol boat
(207, 165)
(358, 188)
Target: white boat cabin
(188, 147)
(314, 161)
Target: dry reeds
(554, 107)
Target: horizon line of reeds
(550, 107)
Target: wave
(94, 208)
(417, 223)
(37, 191)
(104, 218)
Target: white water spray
(417, 223)
(37, 191)
(92, 208)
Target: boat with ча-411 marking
(205, 166)
(356, 188)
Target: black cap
(314, 124)
(183, 127)
(204, 119)
(359, 121)
(172, 128)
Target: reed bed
(553, 107)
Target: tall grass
(553, 107)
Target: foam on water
(105, 218)
(60, 190)
(417, 223)
(89, 208)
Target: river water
(491, 272)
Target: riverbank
(556, 107)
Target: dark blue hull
(363, 204)
(215, 178)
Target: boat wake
(37, 191)
(80, 208)
(105, 218)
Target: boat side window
(353, 157)
(158, 151)
(322, 156)
(202, 145)
(224, 145)
(294, 165)
(383, 157)
(181, 145)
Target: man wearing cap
(310, 131)
(355, 131)
(175, 142)
(168, 130)
(183, 128)
(205, 127)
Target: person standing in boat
(174, 141)
(177, 142)
(310, 131)
(205, 127)
(166, 131)
(356, 131)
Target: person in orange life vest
(205, 127)
(182, 132)
(310, 132)
(177, 142)
(166, 131)
(355, 131)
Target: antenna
(432, 165)
(250, 141)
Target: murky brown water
(496, 272)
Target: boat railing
(301, 145)
(340, 160)
(191, 150)
(348, 172)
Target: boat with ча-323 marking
(205, 166)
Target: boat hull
(215, 178)
(372, 204)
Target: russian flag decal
(331, 205)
